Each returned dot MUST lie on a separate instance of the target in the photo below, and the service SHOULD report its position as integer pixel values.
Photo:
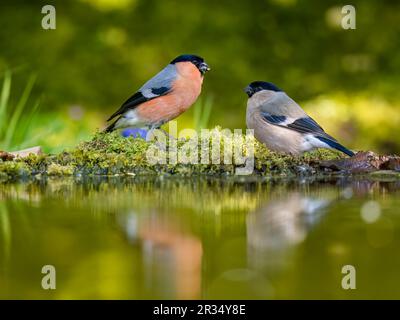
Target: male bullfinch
(281, 124)
(164, 97)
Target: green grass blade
(5, 231)
(197, 113)
(4, 100)
(205, 117)
(10, 132)
(23, 135)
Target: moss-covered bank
(111, 154)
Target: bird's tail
(111, 127)
(336, 145)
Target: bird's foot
(162, 139)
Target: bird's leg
(149, 135)
(172, 141)
(160, 142)
(170, 137)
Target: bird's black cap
(196, 60)
(188, 58)
(257, 86)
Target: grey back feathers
(163, 79)
(278, 103)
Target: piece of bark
(5, 156)
(363, 162)
(392, 164)
(26, 152)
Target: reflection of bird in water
(280, 224)
(172, 258)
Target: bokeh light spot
(370, 211)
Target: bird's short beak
(204, 67)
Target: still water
(200, 238)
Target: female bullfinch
(282, 125)
(164, 97)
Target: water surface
(199, 238)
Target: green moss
(16, 168)
(112, 154)
(55, 169)
(3, 176)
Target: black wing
(131, 103)
(306, 125)
(309, 125)
(273, 119)
(302, 125)
(139, 98)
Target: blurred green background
(59, 86)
